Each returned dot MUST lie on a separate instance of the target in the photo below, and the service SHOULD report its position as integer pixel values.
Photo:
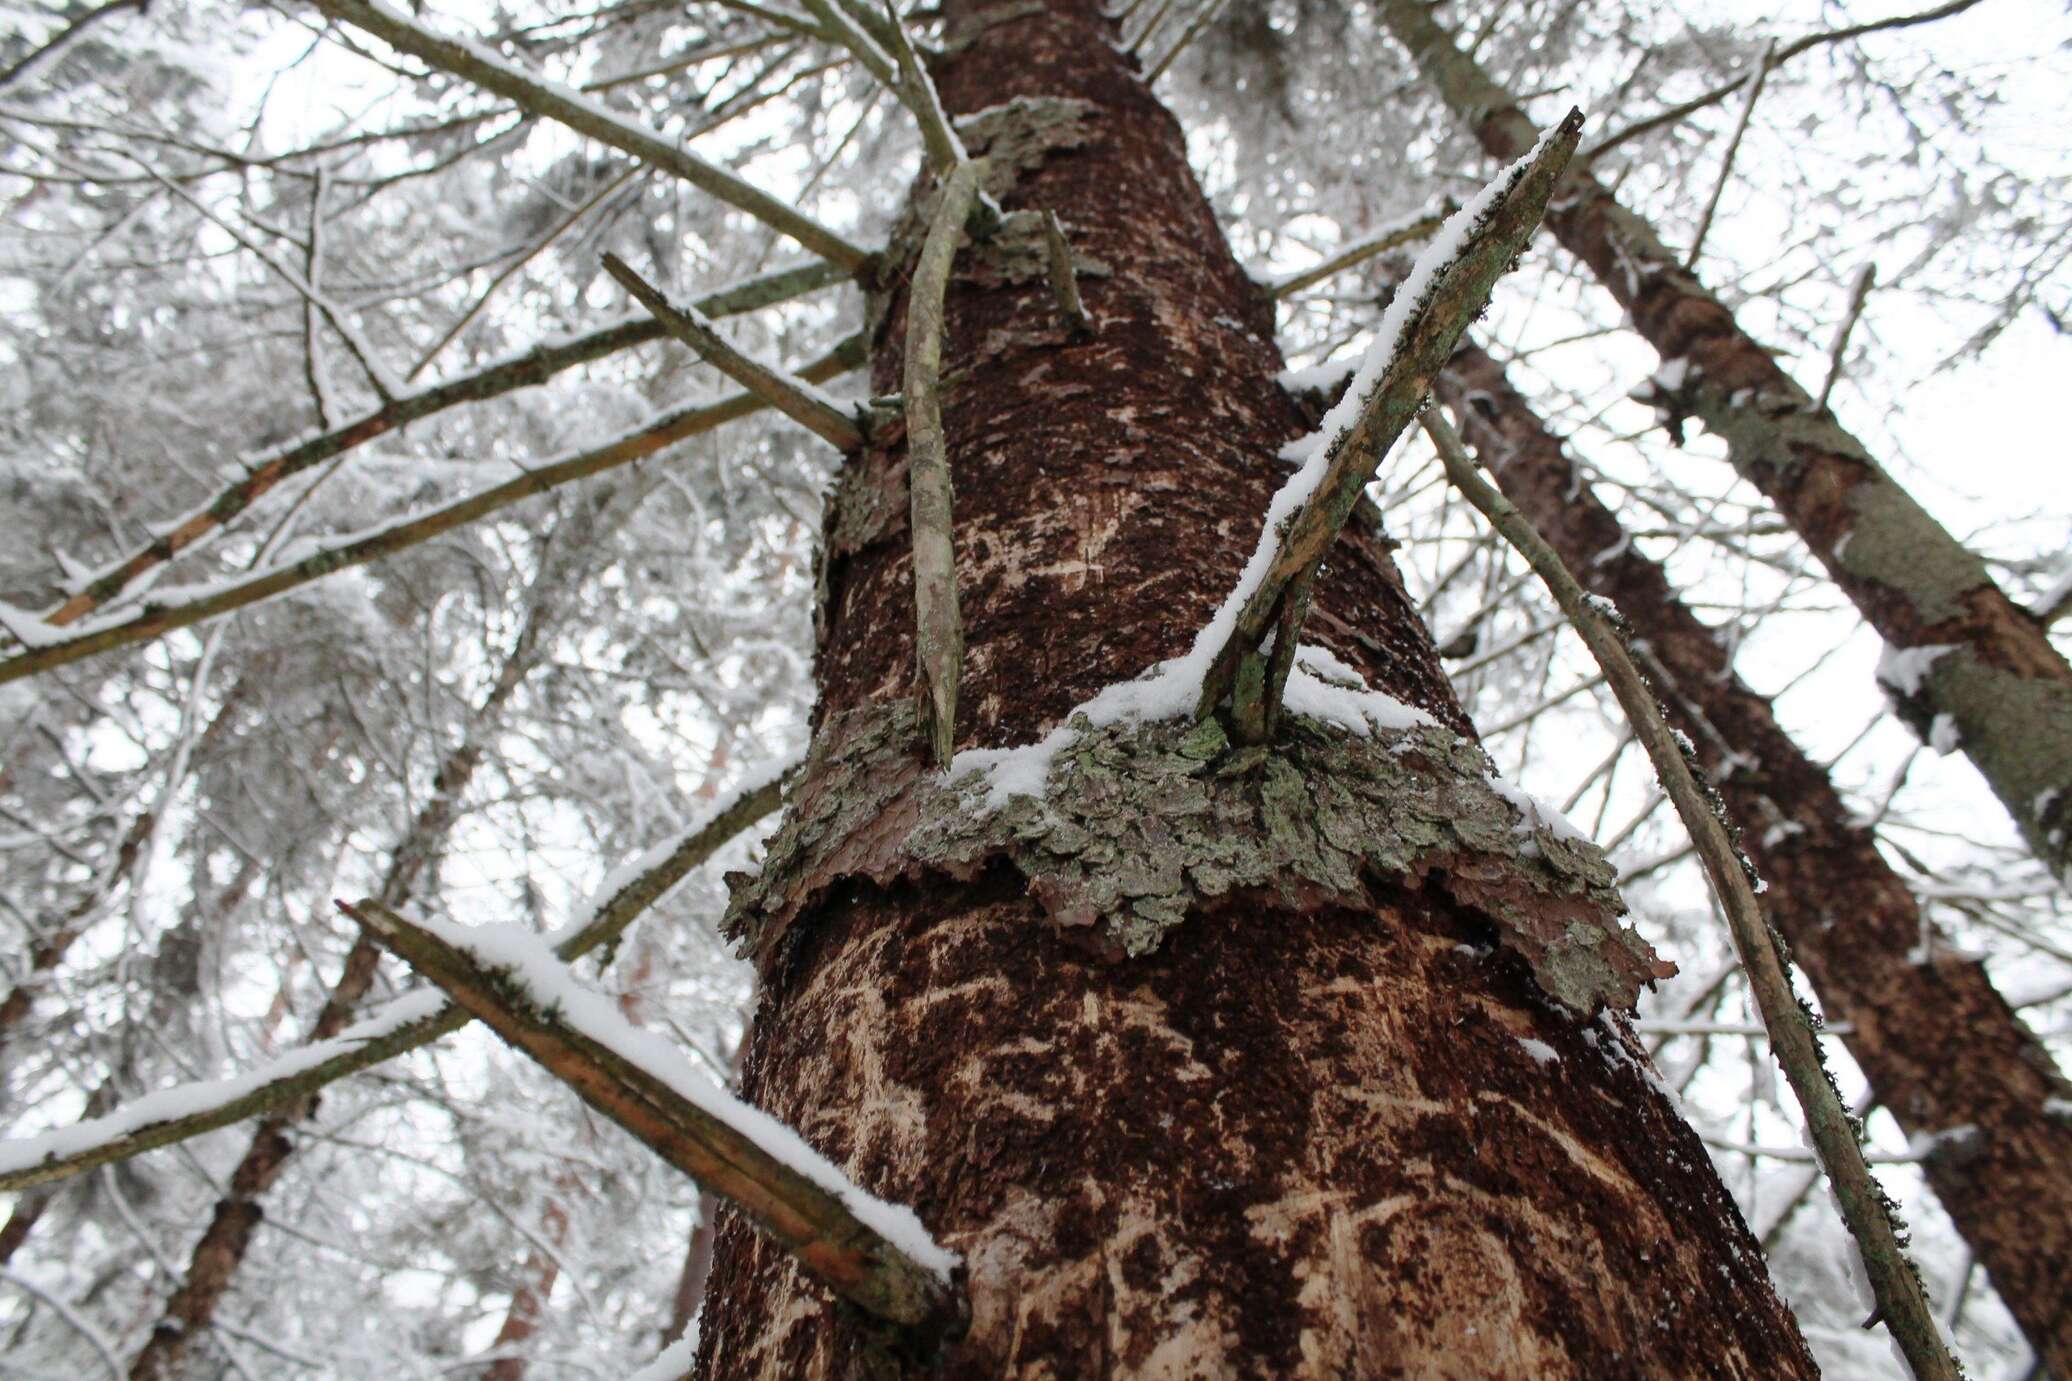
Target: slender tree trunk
(1943, 1051)
(1980, 664)
(1202, 1075)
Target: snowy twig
(1448, 287)
(939, 632)
(1064, 276)
(65, 37)
(176, 1114)
(1793, 1037)
(917, 91)
(512, 984)
(492, 73)
(1726, 162)
(1683, 110)
(156, 619)
(534, 367)
(794, 397)
(1393, 236)
(1858, 292)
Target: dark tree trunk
(1942, 1049)
(1184, 1114)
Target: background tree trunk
(1301, 1138)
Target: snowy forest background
(230, 226)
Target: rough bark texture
(1990, 669)
(1943, 1051)
(1299, 1137)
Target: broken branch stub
(1457, 295)
(828, 1240)
(939, 631)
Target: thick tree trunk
(1943, 1050)
(1978, 663)
(1207, 1065)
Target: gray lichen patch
(1019, 134)
(1886, 544)
(1141, 824)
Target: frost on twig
(1444, 291)
(789, 394)
(874, 1254)
(177, 1114)
(939, 633)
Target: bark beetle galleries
(1325, 1140)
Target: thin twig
(1393, 236)
(1858, 292)
(1793, 1037)
(1763, 64)
(1209, 10)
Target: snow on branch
(1444, 291)
(176, 609)
(177, 1114)
(491, 72)
(532, 367)
(796, 398)
(939, 633)
(874, 1254)
(899, 71)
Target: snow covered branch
(492, 73)
(175, 610)
(796, 398)
(1444, 291)
(1794, 1040)
(939, 636)
(179, 1113)
(493, 380)
(874, 1254)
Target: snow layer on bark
(528, 962)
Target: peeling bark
(1943, 1050)
(1316, 1124)
(1994, 671)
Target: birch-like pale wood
(814, 1226)
(939, 630)
(1864, 1205)
(790, 396)
(1425, 344)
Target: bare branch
(794, 397)
(156, 619)
(1392, 236)
(1859, 291)
(485, 69)
(1726, 163)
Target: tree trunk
(1943, 1051)
(1217, 1061)
(1980, 664)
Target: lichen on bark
(1141, 824)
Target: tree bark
(1282, 1125)
(1942, 1049)
(1985, 665)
